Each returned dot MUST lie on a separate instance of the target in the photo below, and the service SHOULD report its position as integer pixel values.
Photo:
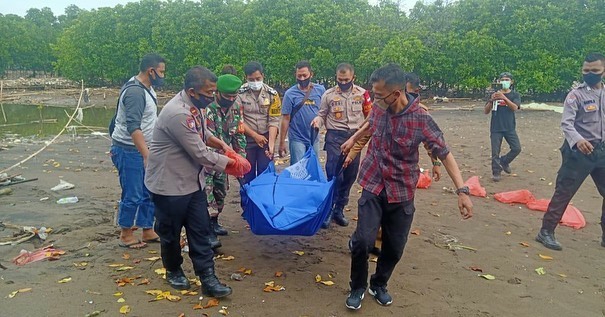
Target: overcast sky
(20, 7)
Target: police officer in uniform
(175, 175)
(583, 152)
(261, 107)
(342, 112)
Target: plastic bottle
(68, 200)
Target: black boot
(211, 286)
(339, 217)
(547, 238)
(177, 279)
(217, 228)
(215, 243)
(603, 241)
(326, 223)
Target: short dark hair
(229, 69)
(392, 75)
(197, 76)
(253, 67)
(151, 60)
(413, 79)
(344, 67)
(505, 74)
(303, 64)
(593, 57)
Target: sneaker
(506, 168)
(355, 298)
(496, 177)
(381, 295)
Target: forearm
(511, 105)
(139, 143)
(452, 170)
(249, 131)
(272, 136)
(216, 143)
(359, 145)
(488, 107)
(285, 123)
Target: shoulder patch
(190, 123)
(243, 89)
(271, 90)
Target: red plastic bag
(539, 204)
(522, 196)
(241, 166)
(424, 180)
(573, 218)
(475, 187)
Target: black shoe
(548, 240)
(603, 241)
(215, 243)
(217, 228)
(381, 295)
(326, 223)
(211, 286)
(355, 298)
(496, 177)
(506, 168)
(339, 217)
(177, 280)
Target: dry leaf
(65, 280)
(125, 256)
(476, 269)
(116, 265)
(189, 293)
(562, 275)
(152, 252)
(540, 271)
(228, 258)
(81, 264)
(144, 282)
(545, 257)
(279, 274)
(211, 303)
(317, 278)
(525, 244)
(224, 311)
(329, 283)
(488, 276)
(118, 294)
(125, 280)
(300, 253)
(155, 258)
(182, 315)
(198, 306)
(121, 300)
(23, 290)
(124, 268)
(124, 309)
(270, 283)
(508, 233)
(154, 292)
(416, 232)
(248, 272)
(172, 298)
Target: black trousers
(257, 158)
(575, 168)
(172, 213)
(512, 139)
(344, 182)
(396, 220)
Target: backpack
(132, 83)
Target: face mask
(382, 103)
(304, 83)
(592, 79)
(157, 81)
(345, 87)
(225, 103)
(255, 85)
(505, 84)
(201, 103)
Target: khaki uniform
(262, 112)
(343, 111)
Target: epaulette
(271, 90)
(243, 88)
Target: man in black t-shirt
(502, 104)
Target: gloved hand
(240, 167)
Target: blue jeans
(299, 148)
(136, 207)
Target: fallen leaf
(248, 272)
(172, 298)
(93, 293)
(116, 265)
(279, 274)
(416, 232)
(121, 300)
(81, 264)
(488, 276)
(65, 280)
(328, 283)
(228, 258)
(508, 233)
(224, 311)
(525, 244)
(189, 293)
(125, 268)
(476, 269)
(152, 252)
(276, 288)
(562, 275)
(545, 257)
(125, 256)
(317, 278)
(198, 306)
(162, 272)
(154, 292)
(270, 283)
(124, 309)
(300, 253)
(182, 315)
(144, 282)
(125, 280)
(118, 294)
(211, 303)
(540, 271)
(23, 290)
(155, 258)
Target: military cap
(228, 84)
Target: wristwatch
(464, 190)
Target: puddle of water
(42, 121)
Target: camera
(496, 86)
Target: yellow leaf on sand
(211, 303)
(124, 309)
(545, 257)
(116, 265)
(198, 306)
(23, 290)
(300, 253)
(173, 298)
(13, 294)
(65, 280)
(525, 244)
(121, 300)
(81, 264)
(540, 271)
(125, 256)
(562, 275)
(144, 282)
(270, 283)
(152, 252)
(248, 272)
(328, 283)
(224, 311)
(125, 268)
(154, 292)
(190, 293)
(228, 258)
(118, 294)
(161, 271)
(317, 278)
(279, 274)
(487, 276)
(155, 258)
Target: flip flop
(133, 245)
(154, 240)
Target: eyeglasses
(385, 97)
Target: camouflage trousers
(216, 190)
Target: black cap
(506, 74)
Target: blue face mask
(592, 79)
(157, 81)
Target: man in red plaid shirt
(388, 175)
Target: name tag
(590, 108)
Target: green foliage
(463, 44)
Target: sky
(20, 7)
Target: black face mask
(201, 103)
(345, 87)
(304, 83)
(592, 79)
(157, 81)
(225, 103)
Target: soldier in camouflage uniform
(224, 120)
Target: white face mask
(505, 84)
(255, 85)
